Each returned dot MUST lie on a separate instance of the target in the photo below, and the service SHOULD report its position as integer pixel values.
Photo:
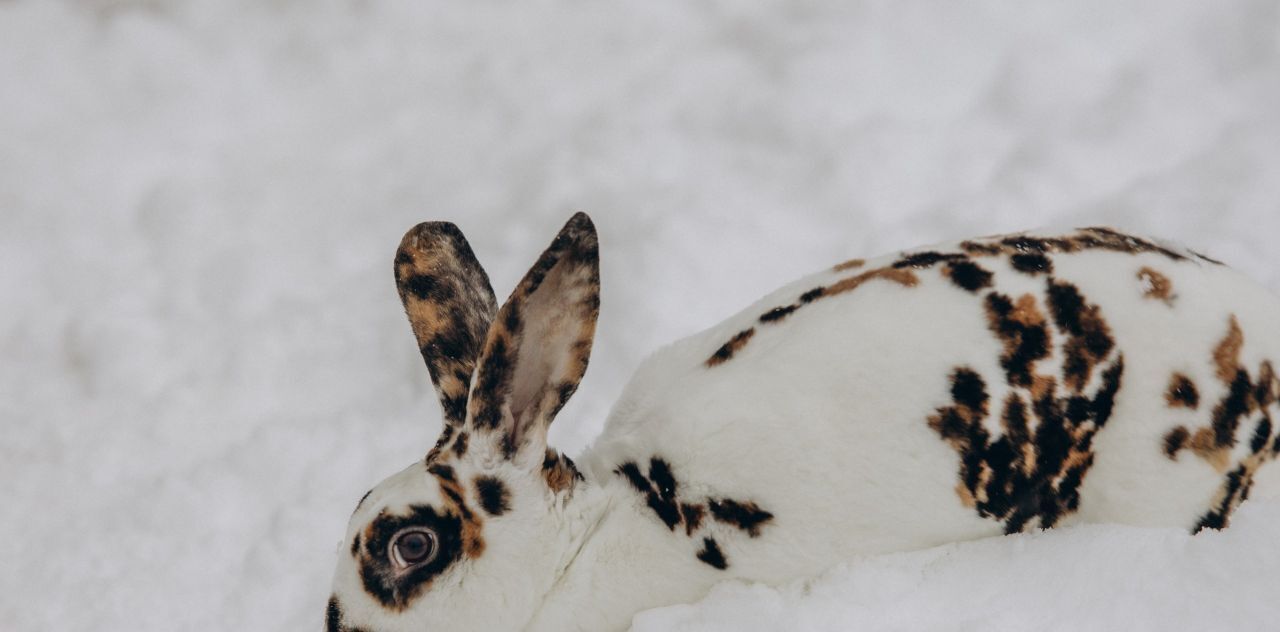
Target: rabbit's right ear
(450, 305)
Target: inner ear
(539, 345)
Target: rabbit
(992, 386)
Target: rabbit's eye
(412, 547)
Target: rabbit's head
(470, 537)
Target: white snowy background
(203, 362)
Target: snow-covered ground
(203, 362)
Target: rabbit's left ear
(447, 296)
(539, 344)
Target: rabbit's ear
(450, 304)
(539, 344)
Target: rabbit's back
(952, 392)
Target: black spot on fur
(443, 472)
(460, 444)
(452, 493)
(660, 474)
(926, 259)
(712, 555)
(968, 389)
(1183, 392)
(661, 493)
(355, 546)
(812, 295)
(1226, 416)
(1175, 440)
(727, 350)
(494, 379)
(663, 500)
(1066, 305)
(1206, 258)
(692, 515)
(362, 499)
(1235, 489)
(454, 407)
(778, 313)
(1109, 239)
(447, 346)
(1261, 434)
(746, 516)
(333, 617)
(1031, 263)
(1025, 343)
(968, 275)
(423, 286)
(493, 494)
(631, 472)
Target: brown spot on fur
(692, 515)
(1203, 445)
(559, 472)
(1226, 357)
(905, 278)
(727, 350)
(1156, 286)
(849, 265)
(982, 249)
(1182, 392)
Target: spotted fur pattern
(1245, 414)
(661, 492)
(1028, 474)
(1027, 254)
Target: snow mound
(1094, 577)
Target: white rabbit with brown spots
(991, 386)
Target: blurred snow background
(203, 362)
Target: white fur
(822, 420)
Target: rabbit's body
(967, 390)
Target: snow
(203, 363)
(1096, 577)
